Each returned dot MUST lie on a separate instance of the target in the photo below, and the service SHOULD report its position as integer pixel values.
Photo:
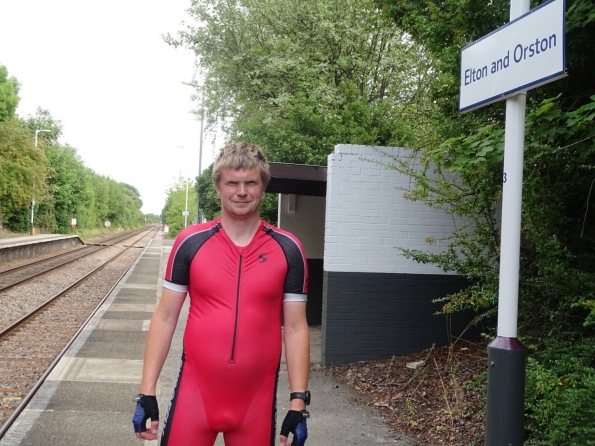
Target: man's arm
(297, 356)
(163, 325)
(297, 349)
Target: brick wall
(377, 315)
(367, 215)
(376, 302)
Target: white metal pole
(198, 213)
(518, 8)
(33, 197)
(186, 211)
(512, 197)
(37, 133)
(506, 355)
(202, 97)
(32, 212)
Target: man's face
(240, 191)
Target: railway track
(17, 275)
(32, 343)
(117, 238)
(23, 273)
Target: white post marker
(185, 212)
(37, 132)
(506, 354)
(202, 119)
(32, 212)
(527, 52)
(512, 202)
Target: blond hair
(241, 155)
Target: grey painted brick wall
(377, 315)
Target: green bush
(560, 395)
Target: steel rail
(37, 262)
(18, 282)
(123, 236)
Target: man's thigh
(258, 426)
(186, 419)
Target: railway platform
(26, 246)
(87, 398)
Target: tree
(9, 95)
(443, 28)
(556, 129)
(22, 168)
(209, 204)
(55, 177)
(176, 204)
(556, 301)
(99, 186)
(297, 78)
(152, 219)
(67, 185)
(43, 120)
(134, 194)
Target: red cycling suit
(232, 341)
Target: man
(242, 275)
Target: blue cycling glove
(295, 422)
(146, 407)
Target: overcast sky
(103, 70)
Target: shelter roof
(298, 179)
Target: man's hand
(146, 408)
(295, 422)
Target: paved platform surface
(87, 400)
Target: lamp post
(37, 133)
(33, 198)
(186, 211)
(198, 213)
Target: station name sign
(525, 53)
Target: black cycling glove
(295, 422)
(146, 407)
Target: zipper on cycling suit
(235, 327)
